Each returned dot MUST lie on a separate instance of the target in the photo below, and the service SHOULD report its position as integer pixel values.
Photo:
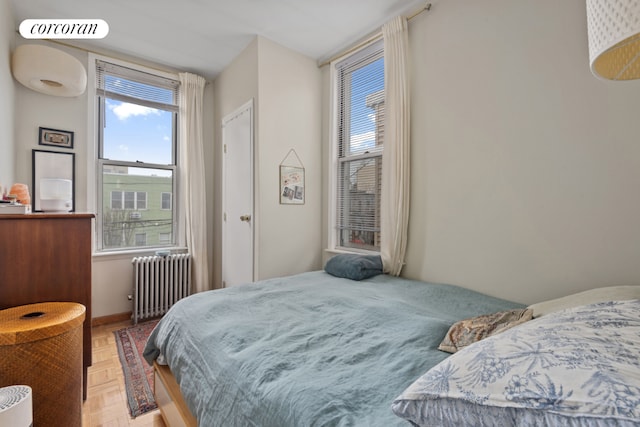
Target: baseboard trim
(112, 318)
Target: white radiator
(159, 282)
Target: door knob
(245, 218)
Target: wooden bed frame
(173, 408)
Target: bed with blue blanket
(319, 350)
(310, 349)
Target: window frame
(95, 162)
(376, 44)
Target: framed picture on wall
(291, 185)
(56, 138)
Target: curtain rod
(426, 7)
(371, 39)
(151, 67)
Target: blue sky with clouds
(137, 133)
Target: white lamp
(48, 70)
(56, 195)
(614, 38)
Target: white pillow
(611, 293)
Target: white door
(237, 196)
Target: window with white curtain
(136, 156)
(359, 110)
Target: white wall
(290, 118)
(525, 167)
(7, 99)
(286, 89)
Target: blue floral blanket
(578, 367)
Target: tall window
(360, 118)
(137, 165)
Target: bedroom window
(136, 157)
(360, 138)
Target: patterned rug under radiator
(138, 374)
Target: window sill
(336, 251)
(128, 254)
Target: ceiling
(204, 36)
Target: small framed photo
(291, 185)
(56, 138)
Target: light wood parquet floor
(106, 404)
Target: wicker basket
(41, 346)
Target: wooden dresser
(44, 258)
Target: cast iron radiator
(159, 282)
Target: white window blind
(129, 85)
(360, 145)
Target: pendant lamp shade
(48, 70)
(614, 38)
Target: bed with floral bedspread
(575, 367)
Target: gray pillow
(353, 266)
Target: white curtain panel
(192, 176)
(394, 215)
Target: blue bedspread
(309, 350)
